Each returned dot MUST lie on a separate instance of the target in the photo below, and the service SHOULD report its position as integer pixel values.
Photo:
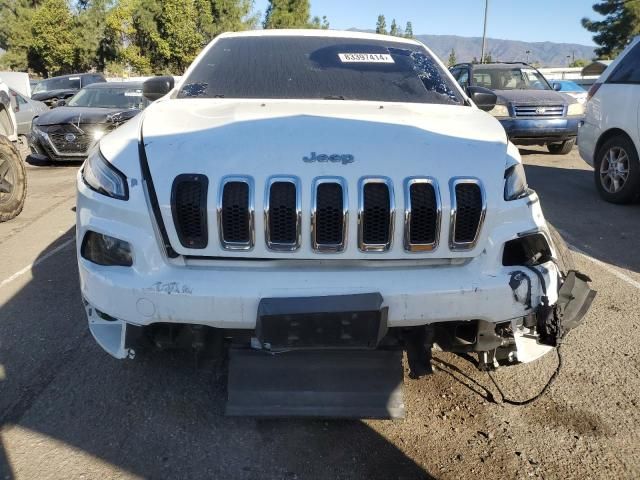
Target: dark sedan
(68, 132)
(63, 87)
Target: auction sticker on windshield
(365, 58)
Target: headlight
(515, 182)
(499, 111)
(104, 178)
(106, 250)
(575, 109)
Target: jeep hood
(219, 138)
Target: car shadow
(159, 416)
(598, 226)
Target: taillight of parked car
(592, 91)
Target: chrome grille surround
(251, 207)
(326, 247)
(453, 183)
(421, 247)
(375, 247)
(286, 247)
(538, 110)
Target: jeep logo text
(334, 158)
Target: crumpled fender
(574, 299)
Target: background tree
(321, 23)
(287, 14)
(408, 30)
(487, 58)
(620, 25)
(15, 32)
(579, 62)
(381, 25)
(394, 28)
(452, 58)
(51, 51)
(229, 15)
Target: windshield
(319, 68)
(66, 83)
(515, 78)
(116, 97)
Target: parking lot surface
(68, 410)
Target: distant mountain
(547, 54)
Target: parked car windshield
(512, 78)
(67, 83)
(115, 97)
(319, 68)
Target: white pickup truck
(13, 179)
(319, 202)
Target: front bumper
(41, 145)
(538, 131)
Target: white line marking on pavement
(48, 255)
(605, 266)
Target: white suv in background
(609, 140)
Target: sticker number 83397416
(365, 58)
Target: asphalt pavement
(68, 410)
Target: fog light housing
(105, 250)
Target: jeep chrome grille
(235, 213)
(422, 214)
(329, 216)
(282, 213)
(468, 207)
(189, 209)
(375, 214)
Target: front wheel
(617, 171)
(13, 181)
(561, 148)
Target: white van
(609, 140)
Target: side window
(463, 79)
(21, 100)
(628, 70)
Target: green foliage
(580, 62)
(452, 58)
(321, 23)
(122, 36)
(381, 25)
(394, 29)
(288, 14)
(620, 25)
(408, 30)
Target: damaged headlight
(499, 111)
(105, 250)
(515, 182)
(104, 178)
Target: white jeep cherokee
(319, 191)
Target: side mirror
(484, 98)
(556, 86)
(157, 87)
(61, 103)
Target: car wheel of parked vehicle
(561, 148)
(617, 171)
(13, 181)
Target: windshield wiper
(334, 97)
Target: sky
(525, 20)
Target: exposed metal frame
(323, 247)
(251, 210)
(286, 247)
(457, 246)
(375, 247)
(421, 247)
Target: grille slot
(422, 215)
(235, 213)
(468, 213)
(539, 110)
(329, 216)
(189, 209)
(282, 214)
(375, 214)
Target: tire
(615, 156)
(13, 181)
(563, 255)
(561, 148)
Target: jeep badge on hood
(335, 158)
